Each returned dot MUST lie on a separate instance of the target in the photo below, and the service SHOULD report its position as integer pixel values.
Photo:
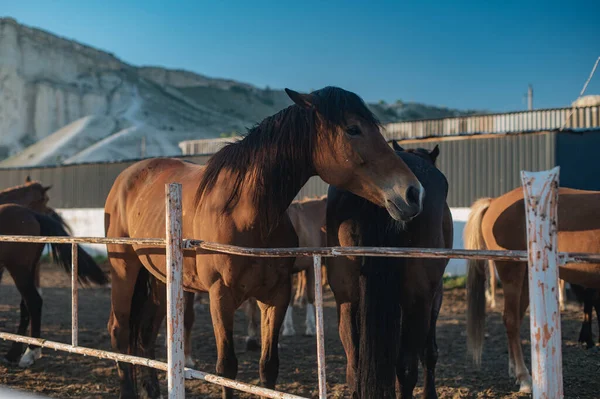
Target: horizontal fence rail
(156, 364)
(434, 253)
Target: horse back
(135, 206)
(504, 225)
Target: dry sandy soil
(62, 375)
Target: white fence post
(174, 249)
(320, 329)
(74, 296)
(541, 208)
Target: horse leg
(33, 302)
(251, 310)
(562, 294)
(311, 328)
(16, 349)
(153, 315)
(124, 274)
(585, 335)
(597, 307)
(222, 309)
(416, 319)
(299, 296)
(431, 348)
(189, 316)
(490, 293)
(273, 311)
(349, 337)
(516, 301)
(288, 321)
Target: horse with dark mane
(25, 212)
(240, 197)
(388, 306)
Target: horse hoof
(29, 357)
(189, 362)
(525, 386)
(310, 332)
(252, 344)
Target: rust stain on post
(175, 354)
(541, 193)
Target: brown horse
(31, 195)
(240, 197)
(388, 307)
(499, 224)
(491, 285)
(21, 260)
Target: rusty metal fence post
(541, 208)
(174, 252)
(320, 328)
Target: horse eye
(353, 131)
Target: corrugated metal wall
(475, 167)
(488, 167)
(75, 186)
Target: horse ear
(303, 100)
(396, 146)
(28, 179)
(434, 153)
(47, 188)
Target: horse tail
(476, 275)
(88, 270)
(379, 321)
(138, 312)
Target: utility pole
(143, 147)
(530, 98)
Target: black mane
(278, 152)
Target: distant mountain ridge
(65, 102)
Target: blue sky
(460, 54)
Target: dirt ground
(62, 375)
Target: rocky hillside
(65, 102)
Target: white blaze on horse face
(311, 329)
(30, 356)
(288, 324)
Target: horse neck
(266, 203)
(18, 197)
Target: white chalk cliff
(65, 102)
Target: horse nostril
(413, 195)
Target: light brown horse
(35, 218)
(491, 285)
(240, 197)
(499, 224)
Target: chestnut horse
(22, 259)
(240, 197)
(499, 224)
(388, 306)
